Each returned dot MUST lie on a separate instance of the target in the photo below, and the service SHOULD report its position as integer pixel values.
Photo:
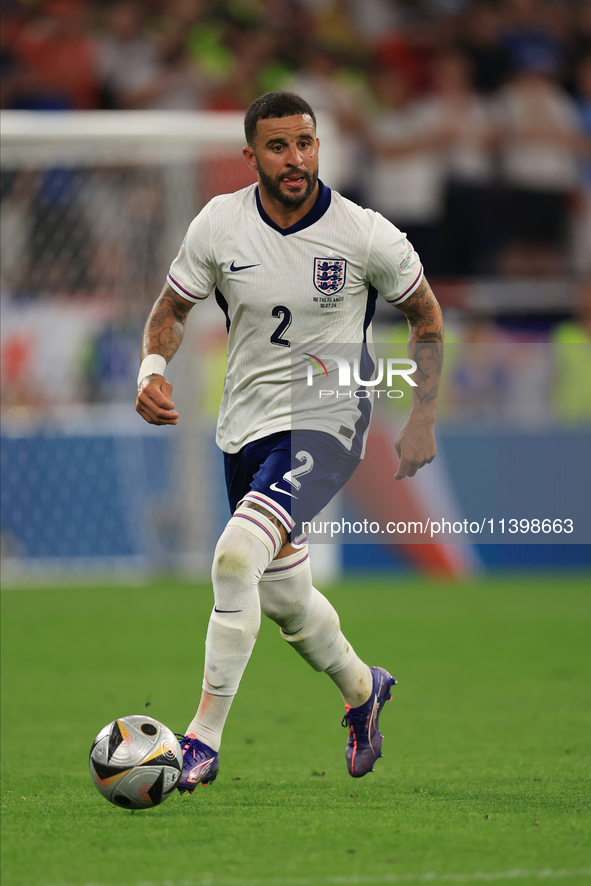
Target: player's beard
(273, 187)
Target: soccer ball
(135, 762)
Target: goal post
(94, 206)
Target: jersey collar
(316, 213)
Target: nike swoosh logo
(275, 488)
(233, 267)
(199, 770)
(226, 610)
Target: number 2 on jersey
(285, 314)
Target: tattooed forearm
(425, 341)
(429, 360)
(425, 322)
(165, 326)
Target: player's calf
(242, 554)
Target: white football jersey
(313, 283)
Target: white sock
(208, 723)
(355, 682)
(244, 550)
(311, 625)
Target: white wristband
(153, 364)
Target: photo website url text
(433, 528)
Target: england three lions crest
(329, 274)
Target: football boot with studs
(201, 764)
(364, 744)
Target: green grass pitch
(487, 757)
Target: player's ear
(251, 160)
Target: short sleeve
(192, 274)
(394, 267)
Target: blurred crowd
(467, 124)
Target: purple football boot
(364, 744)
(201, 764)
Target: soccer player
(266, 250)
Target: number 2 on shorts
(291, 477)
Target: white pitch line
(430, 877)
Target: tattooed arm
(163, 334)
(415, 443)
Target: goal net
(93, 209)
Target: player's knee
(283, 612)
(272, 607)
(319, 639)
(281, 606)
(285, 590)
(232, 559)
(246, 547)
(259, 528)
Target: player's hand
(153, 401)
(416, 446)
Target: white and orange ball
(136, 762)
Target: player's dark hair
(271, 105)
